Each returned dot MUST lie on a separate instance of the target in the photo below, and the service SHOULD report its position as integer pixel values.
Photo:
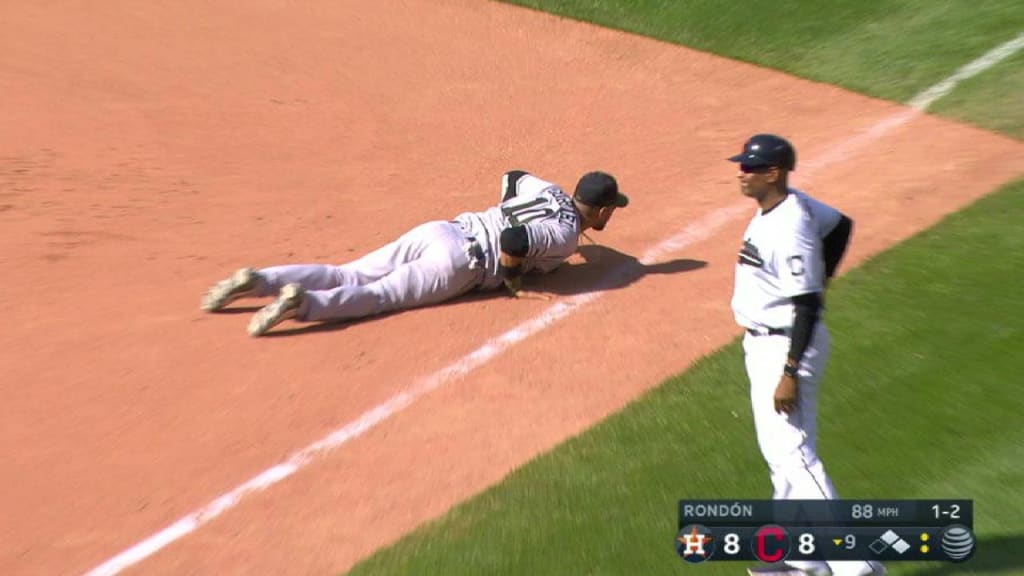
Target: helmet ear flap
(790, 161)
(789, 157)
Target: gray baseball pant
(427, 265)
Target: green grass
(922, 400)
(891, 49)
(993, 100)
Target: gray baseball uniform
(439, 260)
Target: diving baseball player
(534, 228)
(791, 248)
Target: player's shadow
(993, 555)
(243, 309)
(605, 269)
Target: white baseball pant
(788, 441)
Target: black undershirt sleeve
(515, 241)
(835, 244)
(806, 308)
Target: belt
(473, 249)
(768, 332)
(477, 252)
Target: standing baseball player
(790, 250)
(534, 228)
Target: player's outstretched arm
(515, 245)
(511, 269)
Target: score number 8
(731, 544)
(805, 544)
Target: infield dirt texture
(148, 149)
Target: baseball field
(149, 149)
(922, 397)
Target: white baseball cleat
(284, 308)
(241, 284)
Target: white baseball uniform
(782, 257)
(439, 260)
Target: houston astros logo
(694, 543)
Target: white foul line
(703, 229)
(925, 99)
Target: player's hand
(513, 285)
(576, 259)
(533, 295)
(786, 395)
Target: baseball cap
(767, 150)
(600, 189)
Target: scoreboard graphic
(778, 530)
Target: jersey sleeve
(510, 184)
(800, 262)
(834, 245)
(530, 186)
(551, 242)
(823, 214)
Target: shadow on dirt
(606, 269)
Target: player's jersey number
(520, 211)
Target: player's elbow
(515, 241)
(807, 304)
(835, 244)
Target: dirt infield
(146, 150)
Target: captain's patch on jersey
(750, 255)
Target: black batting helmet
(767, 150)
